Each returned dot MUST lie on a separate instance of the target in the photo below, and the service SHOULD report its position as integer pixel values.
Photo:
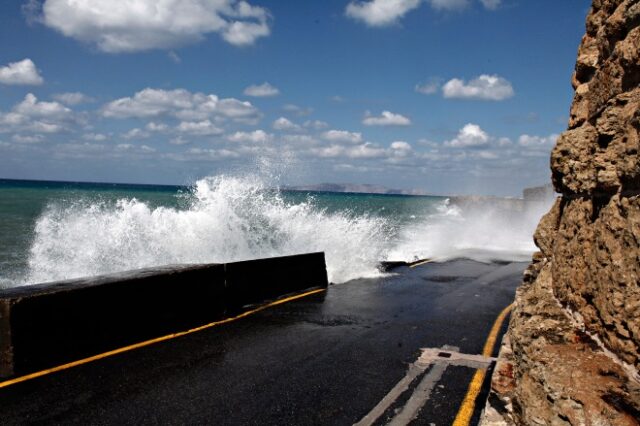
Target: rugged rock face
(575, 331)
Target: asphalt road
(325, 359)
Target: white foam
(227, 219)
(481, 232)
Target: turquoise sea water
(60, 230)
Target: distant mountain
(355, 187)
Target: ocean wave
(480, 231)
(226, 219)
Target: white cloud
(129, 26)
(379, 13)
(257, 136)
(427, 143)
(30, 106)
(449, 4)
(470, 136)
(152, 126)
(96, 137)
(142, 149)
(20, 73)
(72, 98)
(491, 4)
(285, 124)
(136, 134)
(298, 110)
(529, 141)
(387, 118)
(241, 33)
(28, 138)
(261, 90)
(344, 136)
(430, 87)
(504, 142)
(484, 87)
(487, 155)
(365, 150)
(180, 104)
(35, 116)
(199, 128)
(401, 146)
(316, 124)
(300, 139)
(178, 141)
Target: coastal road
(399, 349)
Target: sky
(441, 96)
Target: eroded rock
(574, 352)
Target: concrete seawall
(49, 324)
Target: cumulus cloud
(199, 128)
(537, 141)
(401, 146)
(285, 124)
(363, 151)
(136, 134)
(156, 127)
(20, 73)
(300, 140)
(449, 4)
(129, 26)
(96, 137)
(257, 136)
(387, 118)
(28, 138)
(298, 110)
(261, 90)
(72, 98)
(142, 149)
(380, 13)
(484, 87)
(491, 4)
(181, 104)
(343, 136)
(30, 106)
(316, 124)
(178, 141)
(36, 116)
(470, 136)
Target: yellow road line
(420, 262)
(152, 341)
(469, 403)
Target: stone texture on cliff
(575, 332)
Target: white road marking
(436, 358)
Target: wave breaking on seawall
(228, 219)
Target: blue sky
(445, 96)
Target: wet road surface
(325, 359)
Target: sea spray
(480, 231)
(221, 219)
(225, 219)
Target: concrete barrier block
(55, 323)
(255, 281)
(45, 325)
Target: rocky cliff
(575, 331)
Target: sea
(53, 231)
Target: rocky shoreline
(572, 355)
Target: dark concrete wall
(49, 324)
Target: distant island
(356, 188)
